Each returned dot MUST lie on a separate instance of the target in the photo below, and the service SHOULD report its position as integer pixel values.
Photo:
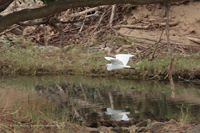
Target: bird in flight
(119, 62)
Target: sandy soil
(186, 14)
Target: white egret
(118, 115)
(119, 62)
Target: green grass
(185, 114)
(34, 60)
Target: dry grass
(34, 60)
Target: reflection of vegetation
(185, 114)
(84, 98)
(32, 116)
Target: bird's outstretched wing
(124, 58)
(109, 58)
(114, 61)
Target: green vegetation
(185, 114)
(35, 60)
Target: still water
(87, 98)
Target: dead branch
(101, 18)
(87, 11)
(82, 25)
(32, 23)
(194, 39)
(10, 29)
(145, 27)
(53, 23)
(191, 81)
(111, 19)
(156, 44)
(46, 22)
(122, 48)
(163, 45)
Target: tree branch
(4, 4)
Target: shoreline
(33, 61)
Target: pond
(86, 99)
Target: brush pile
(99, 27)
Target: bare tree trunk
(170, 67)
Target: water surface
(86, 98)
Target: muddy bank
(156, 126)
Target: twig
(11, 28)
(156, 44)
(87, 11)
(101, 18)
(186, 80)
(191, 81)
(82, 25)
(47, 22)
(53, 23)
